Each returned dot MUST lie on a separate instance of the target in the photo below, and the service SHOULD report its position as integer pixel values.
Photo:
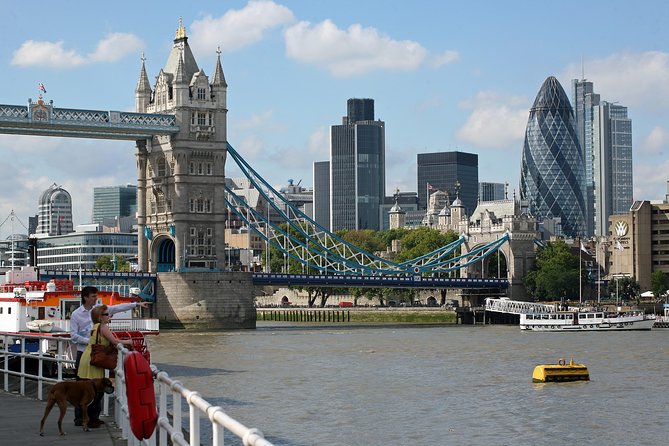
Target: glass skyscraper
(357, 168)
(442, 170)
(114, 202)
(552, 174)
(55, 212)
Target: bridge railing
(54, 352)
(516, 306)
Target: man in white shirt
(81, 325)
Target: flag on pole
(41, 87)
(583, 248)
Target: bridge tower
(181, 178)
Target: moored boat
(579, 320)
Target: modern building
(552, 174)
(492, 191)
(114, 202)
(54, 212)
(612, 141)
(322, 193)
(638, 242)
(299, 197)
(82, 248)
(456, 173)
(14, 252)
(605, 134)
(407, 200)
(357, 168)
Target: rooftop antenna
(582, 68)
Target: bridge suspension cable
(307, 242)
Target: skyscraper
(491, 191)
(442, 170)
(605, 135)
(552, 174)
(54, 212)
(612, 141)
(322, 193)
(114, 202)
(357, 168)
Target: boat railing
(170, 393)
(143, 325)
(516, 306)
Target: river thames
(418, 385)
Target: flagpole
(580, 275)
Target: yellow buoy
(560, 372)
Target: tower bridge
(181, 147)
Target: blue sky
(444, 76)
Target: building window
(192, 205)
(161, 167)
(193, 231)
(191, 168)
(202, 119)
(160, 203)
(209, 170)
(201, 94)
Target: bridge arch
(164, 253)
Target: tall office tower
(552, 173)
(612, 142)
(584, 99)
(114, 202)
(491, 191)
(54, 212)
(357, 168)
(322, 193)
(442, 170)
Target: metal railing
(171, 393)
(517, 307)
(143, 325)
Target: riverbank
(358, 315)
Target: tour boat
(579, 320)
(30, 305)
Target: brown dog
(78, 393)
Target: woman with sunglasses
(100, 316)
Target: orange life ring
(141, 395)
(52, 312)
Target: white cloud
(445, 58)
(255, 121)
(238, 28)
(634, 79)
(46, 54)
(354, 51)
(494, 122)
(650, 180)
(112, 48)
(318, 143)
(657, 141)
(251, 148)
(115, 47)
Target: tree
(423, 240)
(658, 283)
(624, 288)
(555, 275)
(105, 263)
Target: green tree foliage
(105, 263)
(365, 239)
(555, 275)
(658, 283)
(423, 240)
(624, 288)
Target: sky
(444, 76)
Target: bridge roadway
(336, 280)
(21, 416)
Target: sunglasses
(105, 314)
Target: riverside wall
(205, 300)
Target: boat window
(552, 316)
(591, 316)
(560, 316)
(529, 316)
(570, 316)
(581, 316)
(9, 310)
(544, 316)
(1, 310)
(599, 315)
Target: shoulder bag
(103, 356)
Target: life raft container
(141, 395)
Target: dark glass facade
(442, 170)
(322, 193)
(114, 202)
(357, 170)
(552, 176)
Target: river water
(419, 385)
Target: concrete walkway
(19, 425)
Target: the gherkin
(552, 174)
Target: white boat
(579, 320)
(40, 326)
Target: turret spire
(219, 77)
(181, 31)
(143, 84)
(180, 74)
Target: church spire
(180, 74)
(219, 77)
(143, 85)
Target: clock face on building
(621, 228)
(40, 114)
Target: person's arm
(113, 340)
(113, 309)
(78, 332)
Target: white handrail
(169, 424)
